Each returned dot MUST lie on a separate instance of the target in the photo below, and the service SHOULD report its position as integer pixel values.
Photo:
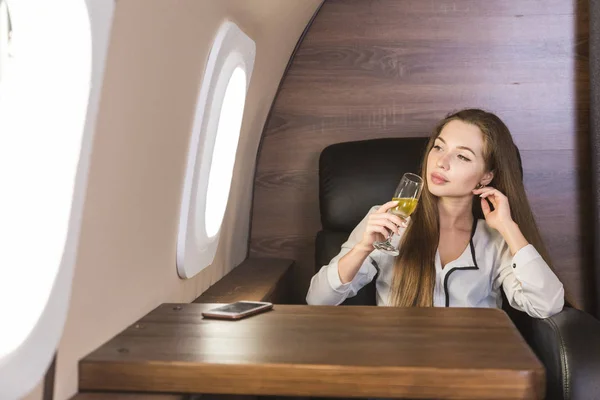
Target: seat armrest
(568, 344)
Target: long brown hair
(414, 268)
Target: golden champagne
(405, 206)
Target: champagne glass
(407, 195)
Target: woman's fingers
(385, 223)
(485, 207)
(391, 217)
(495, 197)
(378, 229)
(387, 206)
(488, 191)
(492, 192)
(492, 200)
(396, 219)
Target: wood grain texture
(255, 279)
(321, 351)
(150, 396)
(393, 68)
(127, 396)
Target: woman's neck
(455, 213)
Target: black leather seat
(354, 176)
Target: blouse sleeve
(326, 288)
(528, 282)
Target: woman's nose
(442, 162)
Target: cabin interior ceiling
(155, 63)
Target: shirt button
(514, 265)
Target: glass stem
(390, 236)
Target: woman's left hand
(500, 217)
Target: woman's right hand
(380, 224)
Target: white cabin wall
(156, 57)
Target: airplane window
(46, 63)
(213, 146)
(223, 159)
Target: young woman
(455, 250)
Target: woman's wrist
(363, 248)
(513, 236)
(350, 263)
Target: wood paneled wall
(392, 68)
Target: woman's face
(455, 164)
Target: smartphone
(238, 310)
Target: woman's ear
(487, 178)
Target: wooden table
(445, 353)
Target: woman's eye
(463, 158)
(437, 147)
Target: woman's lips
(438, 179)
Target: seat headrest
(346, 169)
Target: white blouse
(472, 280)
